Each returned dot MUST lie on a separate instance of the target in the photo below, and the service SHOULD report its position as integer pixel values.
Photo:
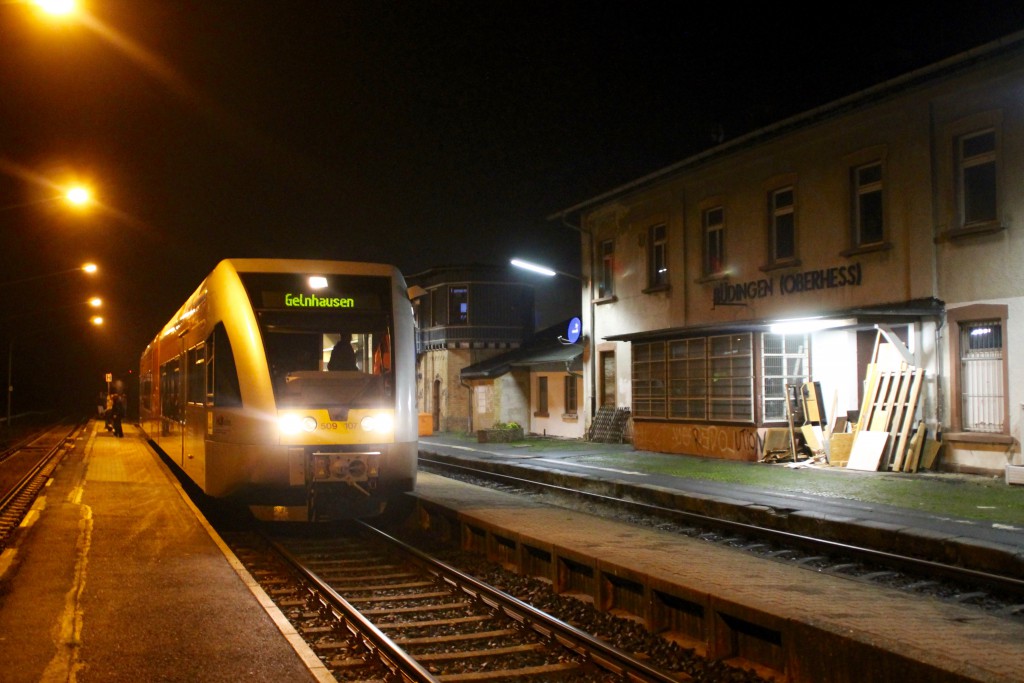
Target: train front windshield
(327, 338)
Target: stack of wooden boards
(886, 434)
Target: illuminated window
(784, 360)
(976, 157)
(781, 213)
(982, 385)
(714, 240)
(458, 305)
(657, 256)
(868, 221)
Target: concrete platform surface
(972, 521)
(828, 628)
(114, 577)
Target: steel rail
(597, 651)
(390, 655)
(23, 441)
(1005, 584)
(36, 475)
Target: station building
(776, 258)
(465, 314)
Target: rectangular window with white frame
(784, 360)
(977, 179)
(657, 256)
(713, 221)
(982, 382)
(868, 217)
(782, 222)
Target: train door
(171, 408)
(194, 428)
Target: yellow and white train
(289, 386)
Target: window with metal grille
(649, 379)
(981, 376)
(784, 360)
(731, 378)
(703, 378)
(687, 378)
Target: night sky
(414, 133)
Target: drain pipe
(589, 292)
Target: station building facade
(465, 315)
(775, 258)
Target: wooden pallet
(890, 406)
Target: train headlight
(377, 423)
(293, 424)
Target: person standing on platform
(117, 414)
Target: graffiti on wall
(713, 441)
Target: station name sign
(313, 301)
(793, 283)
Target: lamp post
(590, 344)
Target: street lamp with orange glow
(87, 268)
(57, 8)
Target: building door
(607, 378)
(435, 405)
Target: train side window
(222, 387)
(170, 385)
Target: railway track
(24, 471)
(1001, 595)
(373, 607)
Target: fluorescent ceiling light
(808, 325)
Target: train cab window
(221, 374)
(334, 367)
(303, 330)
